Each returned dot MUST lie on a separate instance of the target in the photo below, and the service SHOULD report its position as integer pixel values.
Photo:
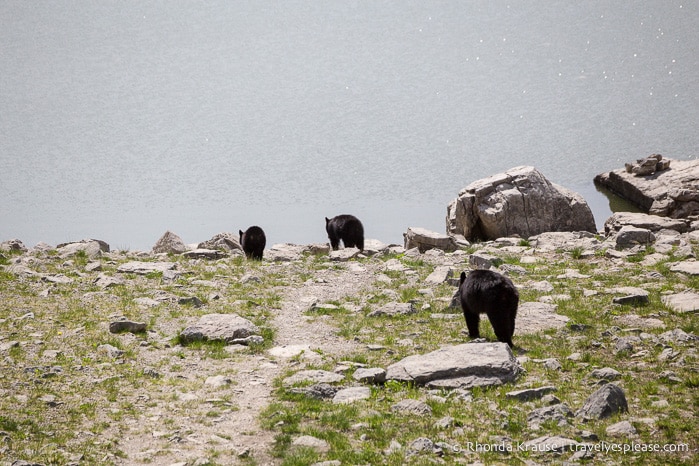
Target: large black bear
(487, 292)
(347, 228)
(253, 242)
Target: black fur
(347, 228)
(253, 242)
(487, 292)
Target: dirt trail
(180, 427)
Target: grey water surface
(121, 120)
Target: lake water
(121, 120)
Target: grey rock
(319, 391)
(91, 247)
(424, 445)
(439, 275)
(519, 202)
(621, 429)
(370, 375)
(626, 344)
(127, 326)
(678, 336)
(488, 361)
(565, 241)
(106, 281)
(57, 278)
(352, 394)
(247, 341)
(201, 253)
(631, 296)
(411, 406)
(225, 327)
(553, 364)
(425, 240)
(223, 241)
(13, 245)
(558, 413)
(343, 255)
(190, 301)
(670, 193)
(632, 236)
(314, 376)
(145, 268)
(482, 260)
(606, 373)
(530, 393)
(110, 351)
(533, 317)
(690, 267)
(608, 400)
(286, 252)
(169, 243)
(654, 223)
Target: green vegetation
(67, 400)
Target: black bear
(253, 242)
(347, 228)
(487, 292)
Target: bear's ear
(463, 277)
(241, 232)
(327, 220)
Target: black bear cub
(487, 292)
(347, 228)
(253, 242)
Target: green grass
(97, 396)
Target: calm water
(121, 120)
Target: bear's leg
(503, 326)
(472, 321)
(334, 243)
(348, 242)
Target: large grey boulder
(169, 243)
(672, 191)
(91, 247)
(223, 327)
(465, 365)
(223, 241)
(608, 400)
(520, 202)
(654, 223)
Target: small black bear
(487, 292)
(253, 242)
(347, 228)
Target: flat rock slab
(352, 394)
(425, 240)
(224, 327)
(687, 301)
(144, 268)
(533, 317)
(205, 253)
(688, 267)
(668, 193)
(290, 351)
(492, 361)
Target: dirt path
(180, 426)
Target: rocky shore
(194, 355)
